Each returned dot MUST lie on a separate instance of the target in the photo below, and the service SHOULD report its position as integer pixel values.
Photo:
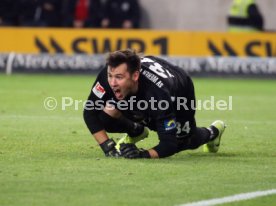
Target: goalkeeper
(133, 94)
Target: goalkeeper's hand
(109, 149)
(130, 151)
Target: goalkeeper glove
(130, 151)
(109, 149)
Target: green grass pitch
(49, 157)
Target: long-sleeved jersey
(162, 102)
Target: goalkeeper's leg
(208, 137)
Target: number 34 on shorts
(183, 128)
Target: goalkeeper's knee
(132, 140)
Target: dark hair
(127, 56)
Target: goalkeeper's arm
(97, 130)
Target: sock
(213, 132)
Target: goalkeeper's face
(121, 81)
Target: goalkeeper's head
(123, 71)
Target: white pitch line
(234, 198)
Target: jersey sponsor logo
(98, 90)
(169, 124)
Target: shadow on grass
(95, 154)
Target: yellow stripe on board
(174, 43)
